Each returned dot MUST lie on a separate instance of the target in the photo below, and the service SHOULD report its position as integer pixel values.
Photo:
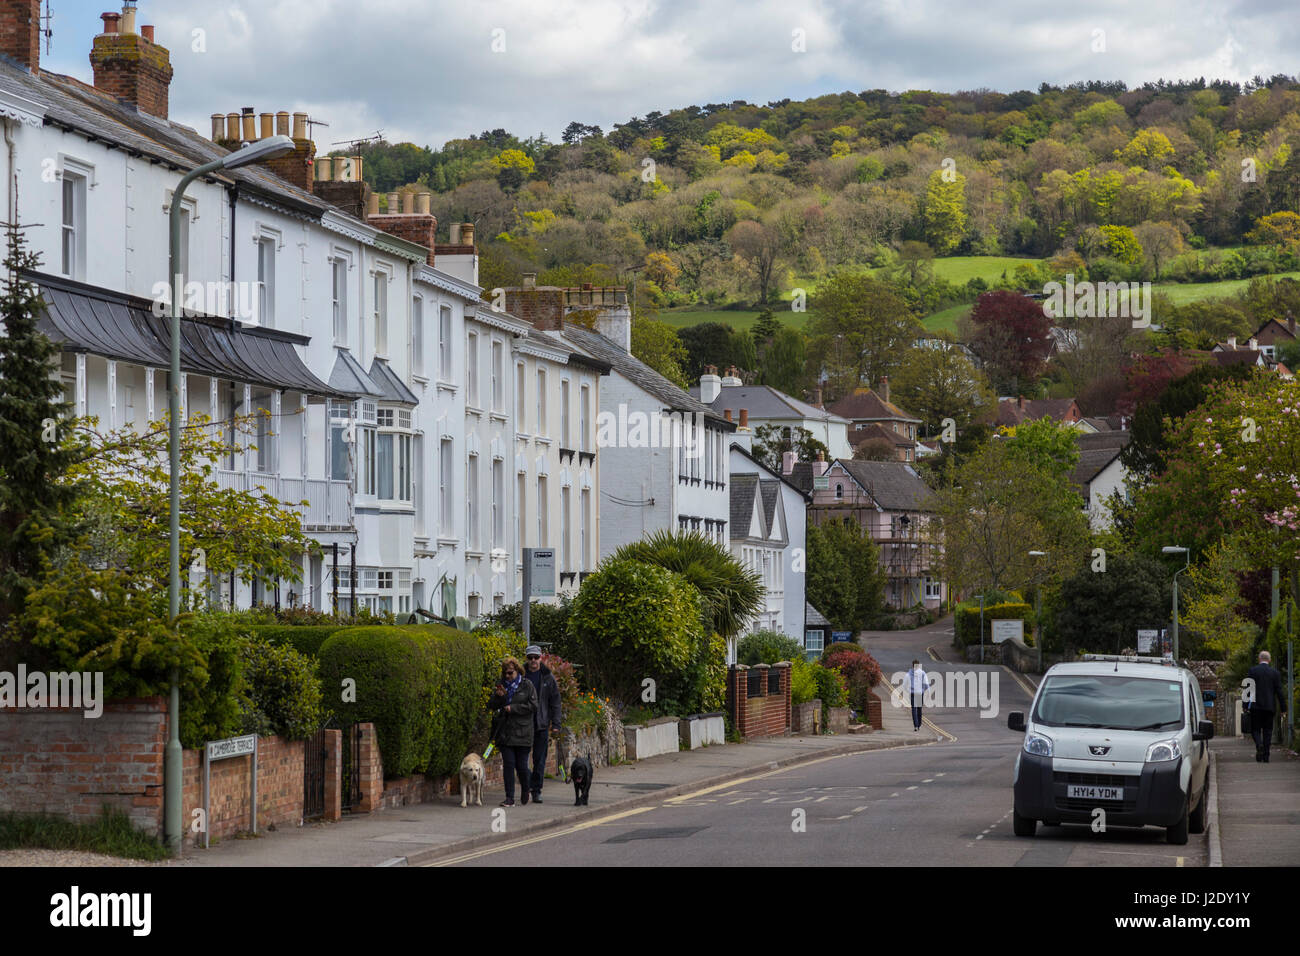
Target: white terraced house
(389, 385)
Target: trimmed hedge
(305, 639)
(966, 622)
(420, 685)
(768, 647)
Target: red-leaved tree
(1012, 338)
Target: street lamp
(267, 148)
(1174, 549)
(1038, 609)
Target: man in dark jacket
(516, 700)
(546, 719)
(1268, 700)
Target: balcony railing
(328, 507)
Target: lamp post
(1038, 609)
(1175, 549)
(263, 149)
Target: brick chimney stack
(130, 65)
(413, 222)
(884, 387)
(246, 126)
(296, 167)
(20, 32)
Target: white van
(1126, 735)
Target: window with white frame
(471, 369)
(264, 432)
(566, 440)
(266, 282)
(446, 462)
(584, 416)
(472, 533)
(565, 526)
(498, 377)
(521, 508)
(498, 503)
(340, 450)
(444, 343)
(814, 640)
(380, 306)
(183, 253)
(417, 335)
(542, 513)
(584, 513)
(367, 472)
(933, 588)
(393, 469)
(542, 425)
(73, 245)
(521, 398)
(339, 299)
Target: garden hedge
(305, 639)
(421, 686)
(966, 622)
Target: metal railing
(328, 502)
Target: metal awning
(85, 318)
(350, 379)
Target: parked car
(1121, 734)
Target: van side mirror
(1016, 720)
(1204, 730)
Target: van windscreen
(1114, 702)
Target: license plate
(1083, 792)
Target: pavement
(1258, 818)
(425, 832)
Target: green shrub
(283, 691)
(213, 696)
(633, 621)
(768, 647)
(860, 670)
(548, 624)
(966, 622)
(496, 644)
(305, 639)
(420, 685)
(831, 688)
(803, 681)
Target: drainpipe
(13, 173)
(233, 192)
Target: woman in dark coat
(516, 700)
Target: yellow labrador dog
(471, 780)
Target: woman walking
(516, 700)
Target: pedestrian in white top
(918, 682)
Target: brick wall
(20, 35)
(296, 167)
(767, 715)
(414, 227)
(279, 789)
(417, 788)
(133, 69)
(352, 198)
(543, 307)
(61, 762)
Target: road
(946, 803)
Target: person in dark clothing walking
(1268, 700)
(516, 699)
(546, 719)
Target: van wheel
(1196, 824)
(1177, 835)
(1023, 826)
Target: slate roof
(349, 378)
(771, 491)
(70, 103)
(813, 617)
(1095, 453)
(866, 405)
(864, 433)
(741, 495)
(765, 402)
(801, 476)
(785, 479)
(640, 374)
(393, 388)
(894, 485)
(1238, 357)
(1010, 411)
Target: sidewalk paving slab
(421, 833)
(1258, 804)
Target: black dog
(580, 774)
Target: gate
(351, 766)
(313, 776)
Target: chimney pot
(1232, 342)
(422, 203)
(268, 126)
(1254, 344)
(1020, 402)
(884, 387)
(249, 124)
(453, 237)
(372, 206)
(394, 203)
(324, 169)
(218, 126)
(744, 418)
(530, 280)
(128, 17)
(126, 65)
(232, 126)
(111, 21)
(467, 233)
(726, 413)
(146, 31)
(299, 125)
(282, 123)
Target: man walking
(546, 719)
(1268, 700)
(918, 682)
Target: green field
(1180, 293)
(961, 269)
(736, 318)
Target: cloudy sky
(427, 71)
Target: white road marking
(911, 788)
(931, 780)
